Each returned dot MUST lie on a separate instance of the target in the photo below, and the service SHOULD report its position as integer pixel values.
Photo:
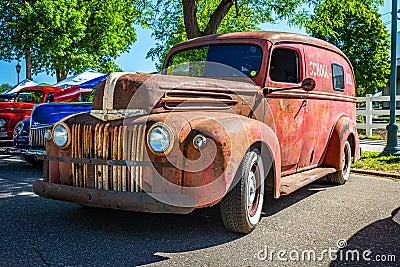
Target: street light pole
(18, 69)
(392, 147)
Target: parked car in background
(7, 97)
(20, 109)
(72, 94)
(28, 137)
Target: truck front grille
(101, 141)
(36, 138)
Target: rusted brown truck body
(169, 143)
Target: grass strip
(374, 161)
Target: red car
(72, 94)
(20, 109)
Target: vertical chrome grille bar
(141, 148)
(95, 155)
(133, 157)
(99, 144)
(79, 154)
(138, 153)
(119, 156)
(73, 154)
(124, 151)
(106, 143)
(114, 157)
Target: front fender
(232, 136)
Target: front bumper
(133, 201)
(39, 154)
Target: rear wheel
(341, 177)
(242, 205)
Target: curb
(376, 173)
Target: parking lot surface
(319, 225)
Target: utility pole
(392, 146)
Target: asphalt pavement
(356, 224)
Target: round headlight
(61, 135)
(159, 138)
(18, 129)
(3, 123)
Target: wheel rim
(251, 190)
(346, 161)
(254, 191)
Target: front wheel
(242, 205)
(341, 177)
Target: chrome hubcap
(251, 190)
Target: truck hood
(132, 94)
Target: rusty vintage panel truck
(231, 117)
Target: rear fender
(344, 130)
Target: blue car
(28, 135)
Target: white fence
(369, 112)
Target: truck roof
(272, 37)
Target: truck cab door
(289, 108)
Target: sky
(135, 59)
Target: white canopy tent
(24, 83)
(79, 79)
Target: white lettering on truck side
(318, 70)
(349, 79)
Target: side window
(284, 66)
(338, 77)
(49, 98)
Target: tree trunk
(190, 18)
(217, 16)
(28, 64)
(61, 74)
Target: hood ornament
(116, 114)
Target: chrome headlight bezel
(48, 135)
(19, 127)
(61, 129)
(3, 123)
(167, 143)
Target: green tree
(4, 87)
(176, 21)
(69, 36)
(356, 28)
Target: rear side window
(338, 77)
(284, 66)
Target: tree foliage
(176, 21)
(357, 29)
(69, 36)
(4, 87)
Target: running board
(295, 181)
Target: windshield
(231, 59)
(32, 96)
